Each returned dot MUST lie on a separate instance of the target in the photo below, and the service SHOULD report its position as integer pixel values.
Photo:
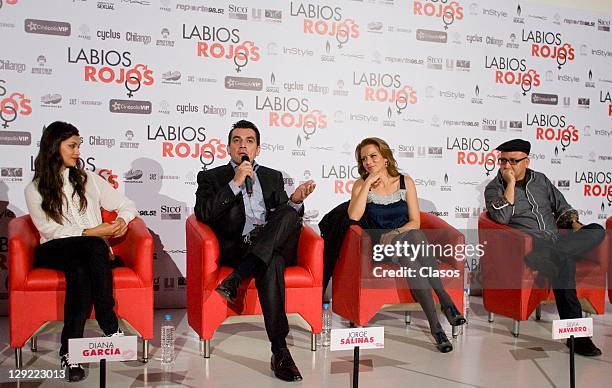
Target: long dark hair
(48, 165)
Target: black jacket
(218, 207)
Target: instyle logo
(47, 27)
(323, 20)
(111, 66)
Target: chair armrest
(202, 255)
(22, 240)
(502, 264)
(136, 250)
(442, 233)
(310, 253)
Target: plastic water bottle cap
(167, 317)
(325, 305)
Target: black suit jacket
(217, 206)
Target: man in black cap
(527, 200)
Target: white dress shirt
(98, 192)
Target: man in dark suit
(258, 230)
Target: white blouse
(98, 192)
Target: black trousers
(89, 280)
(275, 247)
(566, 251)
(421, 286)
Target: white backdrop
(152, 85)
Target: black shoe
(229, 287)
(585, 347)
(442, 342)
(454, 316)
(283, 366)
(74, 372)
(541, 260)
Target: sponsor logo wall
(154, 86)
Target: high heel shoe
(454, 316)
(442, 342)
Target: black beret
(515, 145)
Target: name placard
(85, 350)
(580, 327)
(364, 337)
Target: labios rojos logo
(289, 112)
(552, 127)
(513, 71)
(547, 44)
(187, 142)
(222, 43)
(110, 66)
(13, 104)
(384, 87)
(325, 20)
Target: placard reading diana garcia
(84, 350)
(364, 337)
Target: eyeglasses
(513, 162)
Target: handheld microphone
(248, 182)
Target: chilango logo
(384, 87)
(289, 112)
(472, 151)
(553, 128)
(595, 183)
(324, 20)
(546, 44)
(111, 66)
(222, 42)
(187, 142)
(513, 71)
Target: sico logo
(324, 20)
(385, 88)
(107, 175)
(106, 61)
(12, 105)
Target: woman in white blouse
(64, 203)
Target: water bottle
(327, 323)
(466, 301)
(167, 340)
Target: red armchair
(358, 302)
(36, 295)
(609, 237)
(512, 289)
(206, 309)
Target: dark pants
(566, 251)
(275, 247)
(89, 280)
(421, 286)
